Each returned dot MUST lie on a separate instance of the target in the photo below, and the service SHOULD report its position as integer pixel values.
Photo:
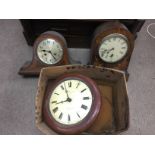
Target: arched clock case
(112, 46)
(49, 49)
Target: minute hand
(52, 55)
(66, 91)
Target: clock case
(112, 85)
(77, 32)
(87, 121)
(34, 67)
(103, 31)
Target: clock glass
(113, 48)
(49, 51)
(70, 101)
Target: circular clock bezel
(54, 36)
(114, 35)
(86, 122)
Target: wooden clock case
(113, 116)
(78, 34)
(33, 68)
(87, 121)
(101, 32)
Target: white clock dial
(113, 48)
(49, 51)
(70, 102)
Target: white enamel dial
(113, 48)
(49, 51)
(70, 102)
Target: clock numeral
(62, 87)
(85, 98)
(102, 54)
(78, 115)
(48, 42)
(84, 107)
(56, 93)
(121, 52)
(55, 109)
(44, 43)
(60, 116)
(123, 48)
(83, 90)
(69, 118)
(70, 84)
(78, 85)
(54, 101)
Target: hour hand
(62, 101)
(66, 91)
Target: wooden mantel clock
(49, 49)
(112, 46)
(72, 104)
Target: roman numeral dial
(113, 48)
(70, 101)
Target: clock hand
(67, 100)
(110, 50)
(52, 55)
(66, 91)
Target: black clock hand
(110, 50)
(61, 102)
(52, 55)
(68, 98)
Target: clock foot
(29, 70)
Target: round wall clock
(50, 48)
(72, 104)
(112, 46)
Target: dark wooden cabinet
(77, 32)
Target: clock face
(70, 101)
(49, 51)
(113, 48)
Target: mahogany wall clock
(49, 49)
(72, 104)
(112, 46)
